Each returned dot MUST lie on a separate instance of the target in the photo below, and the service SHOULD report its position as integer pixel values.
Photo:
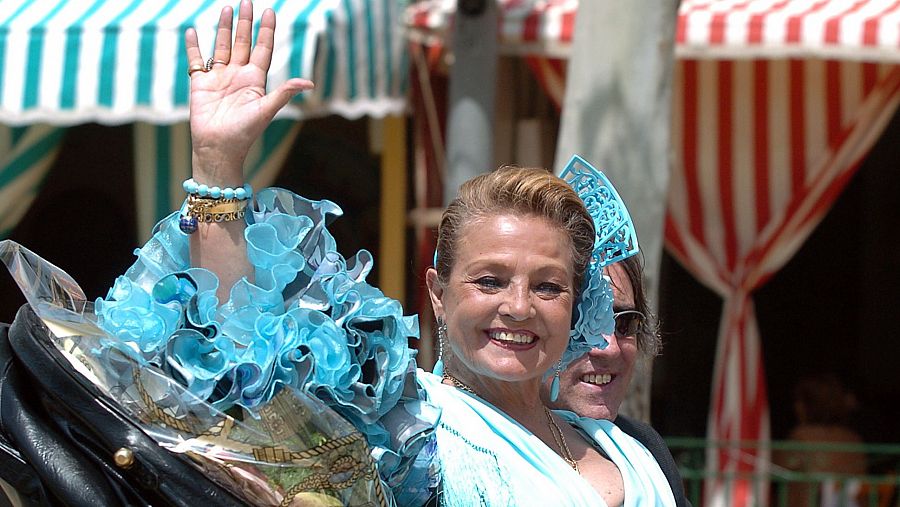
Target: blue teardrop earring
(442, 337)
(554, 384)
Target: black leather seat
(58, 436)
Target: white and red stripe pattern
(827, 29)
(763, 148)
(527, 27)
(863, 30)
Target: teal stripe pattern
(275, 133)
(182, 80)
(121, 61)
(72, 56)
(42, 153)
(272, 137)
(106, 90)
(31, 156)
(16, 133)
(4, 35)
(388, 44)
(35, 58)
(301, 28)
(371, 47)
(145, 59)
(328, 87)
(351, 51)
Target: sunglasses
(628, 323)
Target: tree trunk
(616, 114)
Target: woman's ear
(435, 291)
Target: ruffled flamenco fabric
(309, 320)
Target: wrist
(217, 170)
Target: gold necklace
(555, 430)
(458, 383)
(560, 440)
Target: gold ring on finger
(196, 67)
(223, 62)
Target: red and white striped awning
(526, 26)
(866, 30)
(827, 29)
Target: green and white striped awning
(65, 62)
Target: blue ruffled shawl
(310, 320)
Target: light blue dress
(311, 321)
(487, 458)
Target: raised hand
(229, 107)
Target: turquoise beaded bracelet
(192, 187)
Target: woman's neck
(520, 400)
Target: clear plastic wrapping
(293, 451)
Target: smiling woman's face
(508, 301)
(595, 384)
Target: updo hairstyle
(524, 191)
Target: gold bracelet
(209, 210)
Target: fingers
(192, 48)
(265, 41)
(239, 52)
(243, 36)
(222, 52)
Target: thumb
(278, 98)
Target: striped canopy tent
(122, 61)
(776, 103)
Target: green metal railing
(783, 485)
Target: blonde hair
(520, 190)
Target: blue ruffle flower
(592, 317)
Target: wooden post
(392, 255)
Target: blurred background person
(824, 409)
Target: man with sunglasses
(595, 384)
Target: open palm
(229, 107)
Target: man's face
(595, 384)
